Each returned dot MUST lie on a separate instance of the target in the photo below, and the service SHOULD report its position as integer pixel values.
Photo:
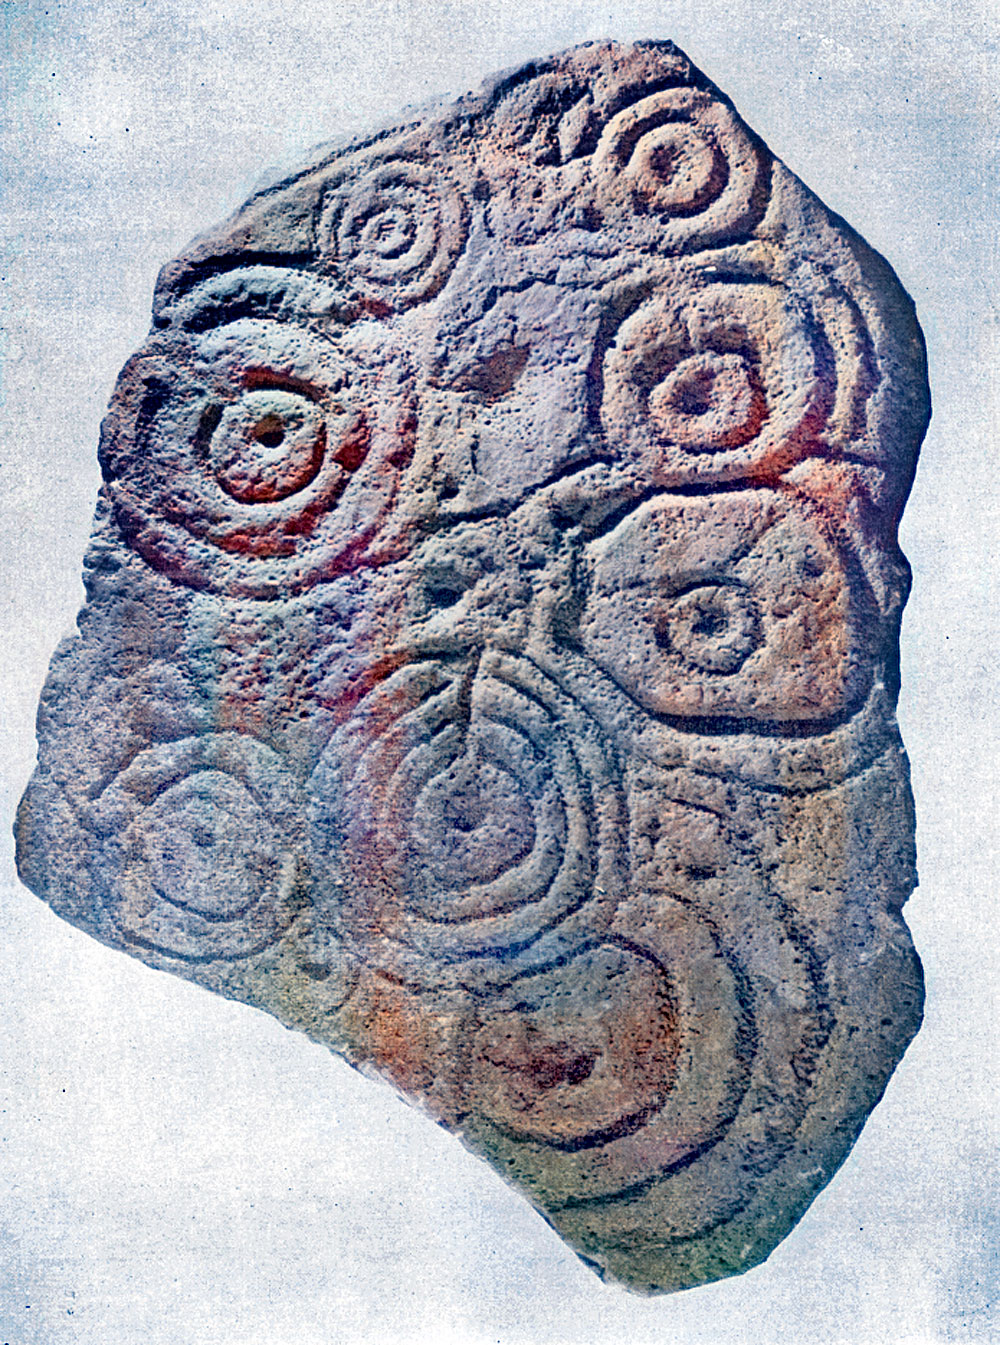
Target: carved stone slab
(490, 652)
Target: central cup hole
(694, 395)
(709, 623)
(665, 161)
(269, 431)
(464, 814)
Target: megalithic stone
(491, 647)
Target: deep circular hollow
(708, 401)
(270, 431)
(267, 445)
(693, 395)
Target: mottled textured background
(180, 1168)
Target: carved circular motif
(268, 445)
(714, 627)
(679, 1038)
(739, 606)
(585, 1056)
(395, 231)
(205, 860)
(679, 169)
(253, 458)
(681, 156)
(709, 401)
(622, 1062)
(715, 382)
(460, 813)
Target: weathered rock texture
(490, 651)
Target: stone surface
(490, 651)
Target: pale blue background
(179, 1170)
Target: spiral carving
(697, 1105)
(579, 1100)
(576, 1056)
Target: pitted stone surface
(490, 652)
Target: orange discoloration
(410, 1041)
(598, 1052)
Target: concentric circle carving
(573, 1096)
(573, 1093)
(739, 606)
(205, 860)
(464, 812)
(268, 445)
(713, 627)
(582, 1058)
(682, 157)
(715, 380)
(255, 457)
(394, 231)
